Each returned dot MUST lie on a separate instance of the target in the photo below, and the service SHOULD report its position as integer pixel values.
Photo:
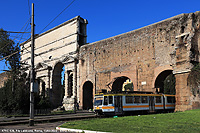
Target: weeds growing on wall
(194, 79)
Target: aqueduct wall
(142, 55)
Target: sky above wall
(106, 18)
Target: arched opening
(165, 82)
(57, 85)
(88, 95)
(43, 89)
(70, 83)
(122, 84)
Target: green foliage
(129, 87)
(8, 47)
(169, 85)
(15, 95)
(18, 100)
(187, 121)
(194, 79)
(13, 101)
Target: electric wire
(39, 32)
(14, 37)
(29, 9)
(57, 16)
(8, 56)
(17, 43)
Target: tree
(128, 87)
(14, 96)
(8, 47)
(15, 93)
(169, 85)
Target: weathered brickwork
(145, 56)
(141, 55)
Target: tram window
(158, 99)
(144, 99)
(110, 100)
(129, 99)
(105, 101)
(171, 99)
(137, 99)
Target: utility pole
(32, 76)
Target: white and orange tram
(128, 103)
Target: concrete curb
(78, 130)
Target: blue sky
(106, 18)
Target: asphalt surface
(38, 127)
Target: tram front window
(98, 101)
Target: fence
(26, 112)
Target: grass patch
(188, 121)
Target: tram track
(49, 118)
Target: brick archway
(118, 83)
(88, 95)
(159, 82)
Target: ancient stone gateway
(145, 56)
(56, 51)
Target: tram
(131, 102)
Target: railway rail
(51, 118)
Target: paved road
(42, 127)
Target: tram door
(118, 104)
(151, 104)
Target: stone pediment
(42, 66)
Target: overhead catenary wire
(8, 56)
(39, 32)
(29, 9)
(49, 24)
(56, 16)
(15, 36)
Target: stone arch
(57, 87)
(159, 82)
(159, 70)
(118, 84)
(87, 95)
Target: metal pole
(32, 76)
(75, 85)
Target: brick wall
(142, 54)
